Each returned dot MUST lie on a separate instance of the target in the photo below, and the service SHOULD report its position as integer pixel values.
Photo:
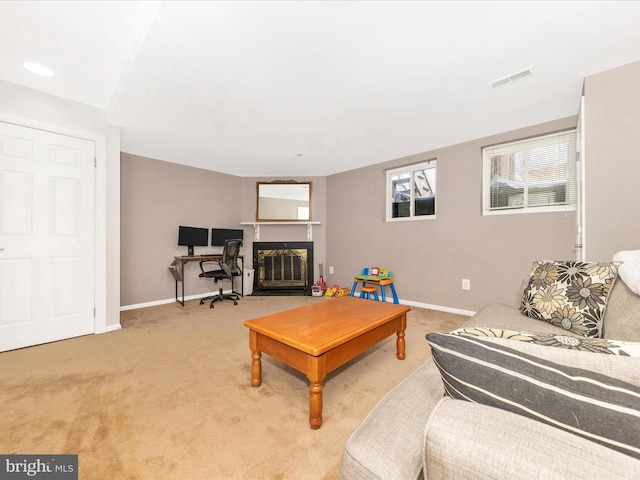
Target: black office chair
(228, 269)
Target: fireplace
(282, 268)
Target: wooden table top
(320, 327)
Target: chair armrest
(206, 273)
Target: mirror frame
(266, 217)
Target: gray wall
(158, 196)
(612, 157)
(429, 258)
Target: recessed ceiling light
(38, 69)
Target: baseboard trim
(169, 300)
(428, 306)
(439, 308)
(109, 328)
(410, 303)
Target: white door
(46, 236)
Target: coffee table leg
(256, 364)
(256, 368)
(315, 405)
(316, 371)
(400, 343)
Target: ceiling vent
(514, 77)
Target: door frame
(580, 245)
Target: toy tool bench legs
(376, 276)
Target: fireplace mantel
(256, 227)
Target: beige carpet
(169, 397)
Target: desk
(177, 269)
(381, 281)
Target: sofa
(417, 431)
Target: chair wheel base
(220, 297)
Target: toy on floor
(336, 291)
(319, 288)
(342, 292)
(332, 291)
(379, 277)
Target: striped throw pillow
(589, 403)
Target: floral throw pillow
(568, 294)
(593, 345)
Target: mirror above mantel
(283, 201)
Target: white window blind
(537, 174)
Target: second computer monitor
(219, 235)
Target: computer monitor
(219, 235)
(193, 237)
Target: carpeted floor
(169, 396)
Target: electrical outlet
(466, 284)
(331, 270)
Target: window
(411, 192)
(533, 175)
(303, 213)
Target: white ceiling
(314, 88)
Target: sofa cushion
(594, 345)
(622, 321)
(503, 316)
(585, 396)
(500, 445)
(572, 295)
(388, 444)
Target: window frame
(411, 169)
(570, 177)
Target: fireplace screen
(283, 266)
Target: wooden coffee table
(319, 338)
